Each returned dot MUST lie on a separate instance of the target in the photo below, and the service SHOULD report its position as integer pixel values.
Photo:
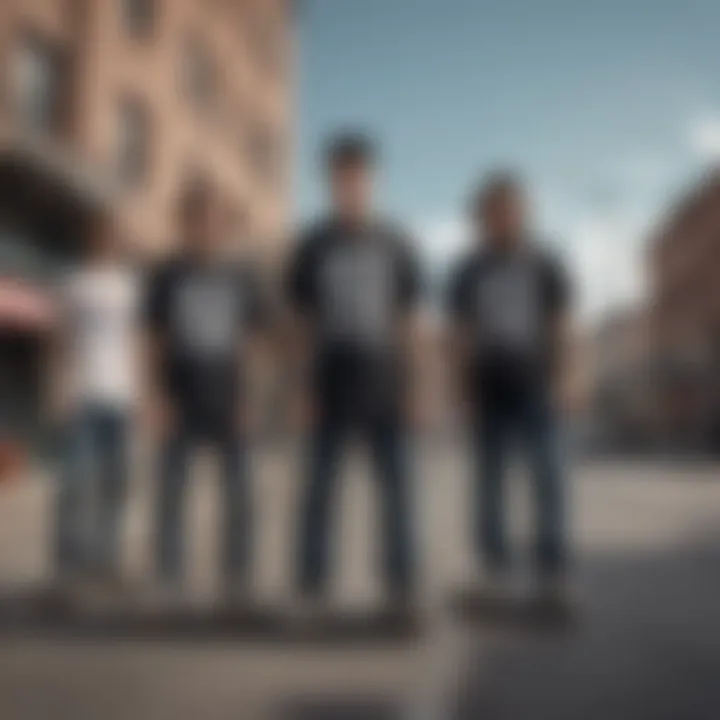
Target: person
(203, 313)
(94, 391)
(354, 282)
(509, 303)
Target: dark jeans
(388, 446)
(236, 512)
(92, 490)
(530, 419)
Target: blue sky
(609, 107)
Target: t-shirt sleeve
(557, 287)
(458, 301)
(300, 281)
(155, 300)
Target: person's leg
(390, 453)
(543, 442)
(173, 475)
(491, 447)
(236, 538)
(324, 451)
(72, 500)
(113, 480)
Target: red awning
(25, 307)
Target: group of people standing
(347, 336)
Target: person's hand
(247, 419)
(302, 412)
(417, 414)
(58, 411)
(159, 416)
(565, 399)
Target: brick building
(621, 389)
(115, 104)
(684, 257)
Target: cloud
(703, 137)
(443, 239)
(603, 248)
(605, 252)
(598, 222)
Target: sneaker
(555, 595)
(308, 610)
(496, 586)
(162, 597)
(238, 598)
(404, 612)
(64, 591)
(97, 594)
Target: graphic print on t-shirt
(355, 294)
(508, 307)
(206, 317)
(100, 318)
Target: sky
(609, 108)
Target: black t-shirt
(508, 302)
(203, 314)
(355, 285)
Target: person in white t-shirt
(95, 370)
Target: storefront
(44, 215)
(26, 320)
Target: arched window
(133, 141)
(139, 17)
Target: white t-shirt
(101, 306)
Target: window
(37, 79)
(198, 77)
(138, 18)
(263, 152)
(133, 142)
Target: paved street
(647, 646)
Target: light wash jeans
(91, 496)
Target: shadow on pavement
(338, 708)
(648, 647)
(39, 613)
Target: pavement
(646, 644)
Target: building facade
(621, 390)
(113, 105)
(684, 256)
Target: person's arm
(416, 343)
(297, 338)
(562, 335)
(56, 390)
(255, 355)
(459, 337)
(156, 407)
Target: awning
(56, 165)
(48, 193)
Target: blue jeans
(389, 451)
(92, 490)
(530, 419)
(236, 511)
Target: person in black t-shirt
(202, 312)
(509, 301)
(354, 282)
